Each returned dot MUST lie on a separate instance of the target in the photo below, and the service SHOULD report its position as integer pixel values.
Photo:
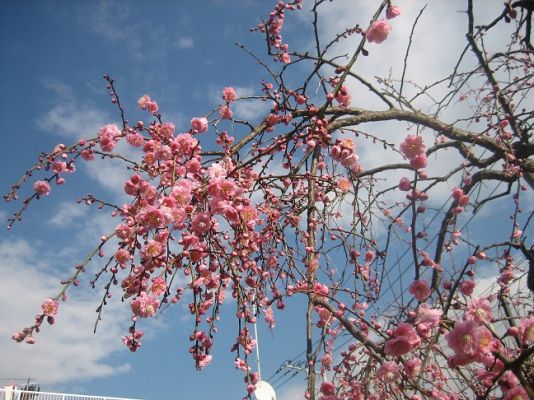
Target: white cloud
(185, 43)
(111, 21)
(66, 351)
(67, 213)
(112, 174)
(68, 121)
(249, 109)
(3, 217)
(73, 119)
(295, 390)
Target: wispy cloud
(111, 21)
(73, 119)
(66, 351)
(67, 213)
(70, 117)
(250, 109)
(65, 120)
(185, 43)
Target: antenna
(263, 391)
(257, 344)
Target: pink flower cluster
(413, 149)
(388, 372)
(379, 31)
(470, 342)
(42, 188)
(427, 319)
(343, 97)
(274, 28)
(229, 94)
(108, 137)
(199, 125)
(404, 340)
(144, 305)
(392, 12)
(146, 103)
(420, 290)
(133, 341)
(462, 200)
(344, 152)
(50, 307)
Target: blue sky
(53, 55)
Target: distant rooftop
(18, 394)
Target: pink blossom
(428, 316)
(166, 130)
(412, 367)
(225, 112)
(59, 167)
(285, 58)
(404, 340)
(369, 256)
(146, 103)
(241, 364)
(269, 317)
(134, 340)
(466, 287)
(229, 94)
(388, 372)
(420, 289)
(201, 223)
(326, 360)
(199, 125)
(405, 184)
(320, 289)
(224, 188)
(204, 360)
(145, 306)
(88, 155)
(108, 137)
(159, 286)
(328, 388)
(343, 97)
(181, 192)
(50, 307)
(249, 215)
(42, 188)
(378, 32)
(463, 201)
(153, 249)
(344, 184)
(457, 193)
(193, 166)
(517, 393)
(154, 218)
(273, 119)
(184, 143)
(479, 310)
(123, 231)
(135, 139)
(526, 329)
(392, 12)
(418, 162)
(122, 256)
(216, 171)
(412, 146)
(468, 340)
